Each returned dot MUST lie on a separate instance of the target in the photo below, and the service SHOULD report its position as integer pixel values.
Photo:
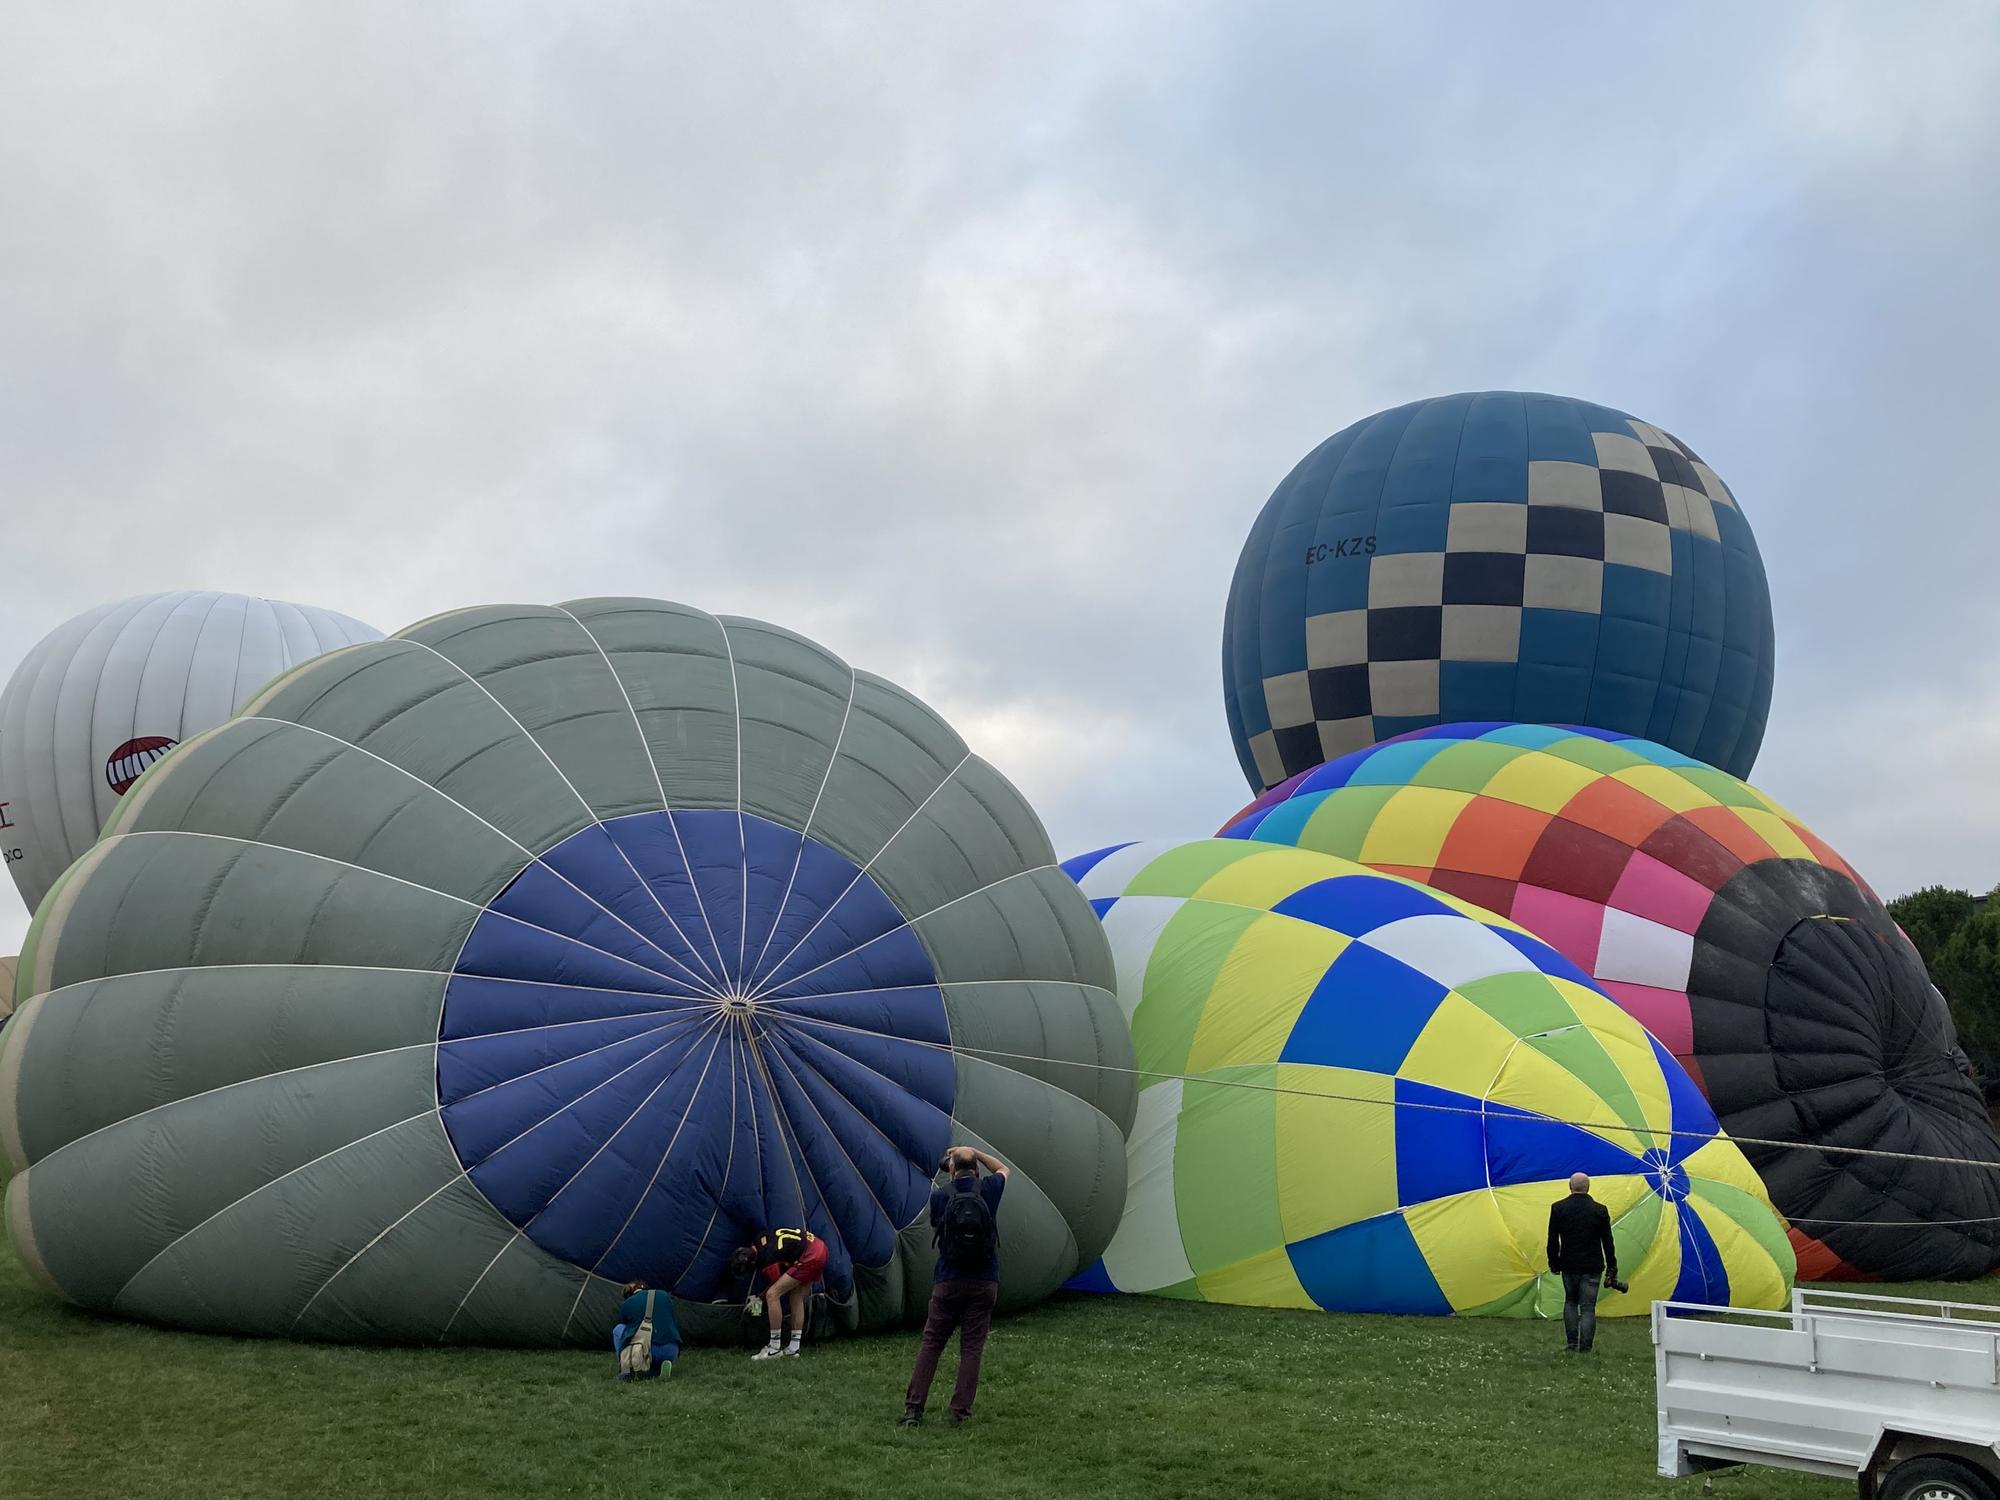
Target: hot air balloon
(1737, 937)
(106, 694)
(6, 987)
(1496, 556)
(1361, 1095)
(468, 974)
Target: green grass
(1109, 1399)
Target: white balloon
(105, 695)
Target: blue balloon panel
(1500, 556)
(675, 1029)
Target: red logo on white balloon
(132, 757)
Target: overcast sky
(969, 338)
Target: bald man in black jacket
(1582, 1252)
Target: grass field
(1111, 1399)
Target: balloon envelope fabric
(471, 973)
(1766, 965)
(104, 695)
(1496, 556)
(1364, 1096)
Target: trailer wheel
(1932, 1477)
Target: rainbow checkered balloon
(1754, 952)
(1362, 1095)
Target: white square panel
(1401, 688)
(1288, 699)
(1338, 736)
(1638, 543)
(1337, 639)
(1482, 632)
(1552, 482)
(1557, 582)
(1617, 451)
(1405, 578)
(1632, 950)
(1487, 526)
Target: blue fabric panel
(894, 960)
(835, 1182)
(1688, 1110)
(1358, 904)
(557, 927)
(526, 1169)
(904, 1114)
(1092, 1278)
(1374, 1266)
(1530, 736)
(1492, 458)
(1523, 1147)
(483, 1115)
(1103, 904)
(1389, 726)
(1079, 865)
(1283, 822)
(468, 1065)
(858, 916)
(1703, 1277)
(589, 1211)
(1395, 765)
(501, 1005)
(1480, 688)
(1365, 1012)
(1558, 431)
(1439, 1151)
(662, 909)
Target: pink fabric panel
(1568, 924)
(1662, 1012)
(1661, 894)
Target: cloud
(970, 341)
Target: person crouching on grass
(792, 1262)
(648, 1337)
(966, 1283)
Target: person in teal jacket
(632, 1313)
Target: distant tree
(1968, 971)
(1930, 916)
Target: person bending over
(791, 1262)
(1581, 1251)
(648, 1337)
(966, 1284)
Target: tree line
(1958, 937)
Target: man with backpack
(966, 1283)
(648, 1336)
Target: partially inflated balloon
(471, 973)
(1738, 938)
(103, 696)
(1361, 1095)
(1496, 556)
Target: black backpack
(965, 1233)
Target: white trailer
(1900, 1395)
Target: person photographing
(1582, 1252)
(966, 1284)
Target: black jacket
(1580, 1237)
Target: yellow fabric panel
(1778, 833)
(1411, 827)
(1472, 1247)
(1270, 875)
(1533, 1081)
(1755, 1280)
(1461, 1048)
(1720, 1160)
(1336, 1158)
(1541, 781)
(1265, 1280)
(1259, 991)
(1665, 787)
(1625, 1042)
(1657, 1271)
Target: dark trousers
(1580, 1308)
(968, 1307)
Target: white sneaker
(769, 1351)
(791, 1351)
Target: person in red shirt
(790, 1262)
